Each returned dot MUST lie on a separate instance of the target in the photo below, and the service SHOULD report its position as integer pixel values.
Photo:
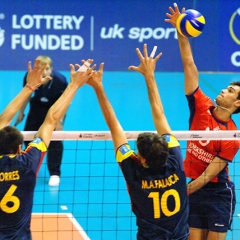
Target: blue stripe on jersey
(39, 144)
(171, 140)
(123, 152)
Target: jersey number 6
(7, 198)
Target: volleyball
(190, 23)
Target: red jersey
(200, 153)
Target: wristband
(29, 87)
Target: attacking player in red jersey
(155, 178)
(212, 194)
(18, 169)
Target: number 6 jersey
(17, 181)
(158, 200)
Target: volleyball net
(92, 201)
(132, 135)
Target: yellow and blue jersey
(159, 200)
(17, 181)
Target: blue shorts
(212, 207)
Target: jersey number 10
(161, 204)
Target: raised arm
(147, 68)
(58, 109)
(118, 135)
(213, 169)
(34, 80)
(20, 115)
(190, 69)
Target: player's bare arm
(146, 68)
(59, 108)
(190, 69)
(118, 135)
(34, 80)
(213, 169)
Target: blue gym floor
(92, 188)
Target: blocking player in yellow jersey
(154, 175)
(18, 169)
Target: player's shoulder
(171, 140)
(123, 152)
(39, 144)
(199, 94)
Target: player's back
(17, 182)
(161, 204)
(158, 197)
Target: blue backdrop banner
(110, 30)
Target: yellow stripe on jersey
(123, 152)
(171, 140)
(11, 156)
(39, 144)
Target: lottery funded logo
(86, 136)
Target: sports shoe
(54, 181)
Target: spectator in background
(40, 102)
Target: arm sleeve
(35, 153)
(228, 150)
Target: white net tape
(132, 135)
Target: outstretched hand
(34, 76)
(147, 63)
(96, 78)
(173, 15)
(80, 78)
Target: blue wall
(110, 30)
(128, 95)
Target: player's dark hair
(10, 139)
(238, 97)
(154, 148)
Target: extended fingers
(42, 66)
(101, 67)
(47, 78)
(139, 53)
(91, 68)
(176, 8)
(158, 56)
(132, 68)
(29, 66)
(37, 64)
(145, 51)
(171, 10)
(72, 68)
